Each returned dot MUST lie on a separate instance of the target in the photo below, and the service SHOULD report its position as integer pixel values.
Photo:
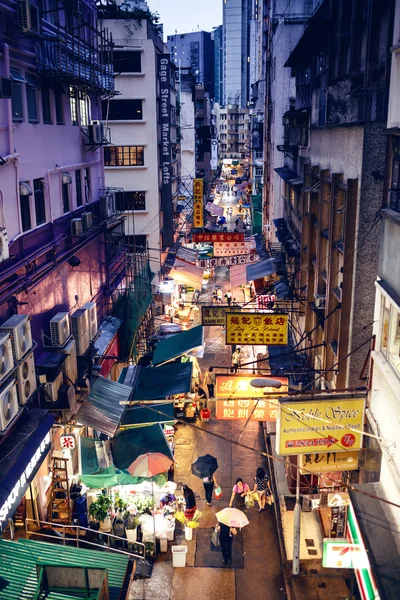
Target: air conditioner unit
(87, 220)
(69, 366)
(27, 15)
(107, 206)
(320, 301)
(19, 328)
(80, 330)
(5, 87)
(94, 134)
(26, 379)
(76, 227)
(8, 404)
(52, 388)
(4, 251)
(6, 356)
(66, 395)
(59, 329)
(92, 319)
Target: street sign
(218, 236)
(307, 426)
(329, 462)
(338, 499)
(340, 554)
(232, 248)
(255, 329)
(363, 572)
(227, 261)
(215, 315)
(198, 192)
(240, 410)
(238, 386)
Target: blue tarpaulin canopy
(128, 445)
(263, 268)
(152, 413)
(167, 380)
(178, 344)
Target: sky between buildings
(187, 15)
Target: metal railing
(74, 538)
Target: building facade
(218, 34)
(195, 50)
(236, 34)
(232, 125)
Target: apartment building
(194, 50)
(236, 40)
(233, 129)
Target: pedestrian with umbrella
(204, 467)
(229, 520)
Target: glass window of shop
(390, 333)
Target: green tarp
(178, 344)
(128, 445)
(168, 380)
(256, 218)
(138, 415)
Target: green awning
(178, 344)
(138, 415)
(128, 445)
(256, 201)
(168, 380)
(256, 218)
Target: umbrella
(232, 517)
(149, 465)
(204, 466)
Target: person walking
(219, 296)
(261, 485)
(209, 483)
(239, 493)
(214, 297)
(190, 502)
(226, 534)
(236, 360)
(228, 297)
(209, 380)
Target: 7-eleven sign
(339, 554)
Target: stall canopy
(134, 416)
(178, 344)
(263, 268)
(128, 445)
(102, 409)
(214, 209)
(168, 380)
(184, 272)
(289, 176)
(187, 254)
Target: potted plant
(189, 524)
(100, 510)
(131, 526)
(120, 505)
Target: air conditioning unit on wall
(52, 388)
(8, 404)
(19, 328)
(69, 366)
(76, 227)
(80, 330)
(92, 319)
(4, 251)
(26, 379)
(107, 206)
(6, 355)
(59, 329)
(87, 220)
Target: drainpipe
(9, 111)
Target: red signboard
(240, 410)
(239, 386)
(218, 237)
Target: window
(123, 110)
(126, 61)
(73, 106)
(128, 200)
(46, 106)
(88, 185)
(31, 98)
(25, 207)
(136, 243)
(58, 97)
(124, 156)
(394, 191)
(394, 340)
(16, 100)
(78, 187)
(66, 182)
(84, 108)
(40, 208)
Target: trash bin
(179, 556)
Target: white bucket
(188, 533)
(163, 544)
(179, 556)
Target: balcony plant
(132, 523)
(100, 510)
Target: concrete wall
(394, 95)
(188, 167)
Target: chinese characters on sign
(254, 329)
(218, 237)
(239, 386)
(226, 261)
(67, 442)
(329, 462)
(198, 215)
(237, 410)
(322, 425)
(232, 248)
(214, 315)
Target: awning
(281, 290)
(106, 343)
(256, 218)
(149, 414)
(21, 455)
(238, 275)
(281, 229)
(187, 254)
(214, 209)
(289, 176)
(262, 268)
(128, 445)
(184, 272)
(102, 409)
(178, 344)
(168, 380)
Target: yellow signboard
(328, 462)
(198, 211)
(326, 424)
(254, 329)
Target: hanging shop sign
(67, 442)
(329, 462)
(239, 386)
(215, 315)
(227, 261)
(254, 329)
(340, 554)
(241, 410)
(164, 78)
(214, 155)
(232, 248)
(198, 213)
(332, 423)
(338, 499)
(338, 520)
(218, 237)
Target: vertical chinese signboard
(254, 329)
(164, 78)
(198, 215)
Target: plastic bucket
(179, 556)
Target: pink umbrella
(150, 464)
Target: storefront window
(394, 345)
(385, 318)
